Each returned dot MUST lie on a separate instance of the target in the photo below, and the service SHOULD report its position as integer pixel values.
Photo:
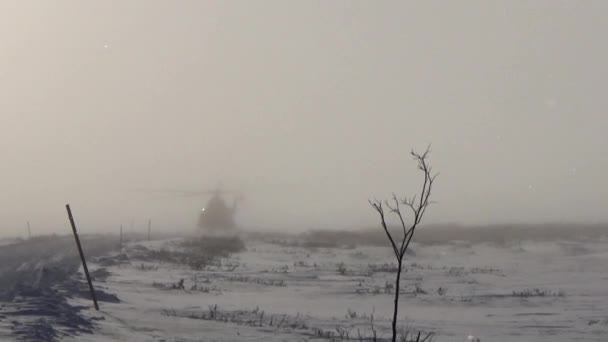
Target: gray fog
(308, 108)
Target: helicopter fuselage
(217, 215)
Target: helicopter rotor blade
(187, 193)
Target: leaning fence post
(84, 262)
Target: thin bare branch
(403, 226)
(378, 206)
(418, 205)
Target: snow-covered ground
(530, 291)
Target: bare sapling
(399, 207)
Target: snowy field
(273, 291)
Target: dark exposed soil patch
(44, 314)
(196, 253)
(100, 274)
(119, 259)
(37, 280)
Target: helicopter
(217, 217)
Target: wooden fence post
(84, 262)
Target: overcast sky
(309, 107)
